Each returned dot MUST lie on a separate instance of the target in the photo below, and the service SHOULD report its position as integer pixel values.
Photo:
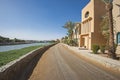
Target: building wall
(87, 25)
(90, 8)
(99, 12)
(116, 17)
(90, 26)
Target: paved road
(59, 63)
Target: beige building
(90, 25)
(88, 32)
(116, 17)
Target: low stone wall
(22, 68)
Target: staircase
(118, 51)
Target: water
(13, 47)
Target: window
(118, 38)
(86, 14)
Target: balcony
(86, 26)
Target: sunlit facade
(116, 18)
(90, 26)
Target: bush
(75, 43)
(95, 48)
(102, 48)
(71, 42)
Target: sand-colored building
(90, 26)
(116, 17)
(88, 32)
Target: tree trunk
(109, 8)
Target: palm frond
(107, 1)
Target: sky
(38, 19)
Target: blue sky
(38, 19)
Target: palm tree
(69, 26)
(105, 28)
(109, 7)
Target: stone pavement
(105, 61)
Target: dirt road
(59, 63)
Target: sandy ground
(59, 63)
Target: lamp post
(109, 8)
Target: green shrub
(102, 48)
(95, 48)
(72, 42)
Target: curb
(106, 62)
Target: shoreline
(16, 43)
(4, 48)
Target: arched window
(118, 38)
(86, 14)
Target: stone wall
(22, 69)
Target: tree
(105, 28)
(109, 8)
(69, 26)
(65, 40)
(57, 40)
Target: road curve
(59, 63)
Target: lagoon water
(13, 47)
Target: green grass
(8, 56)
